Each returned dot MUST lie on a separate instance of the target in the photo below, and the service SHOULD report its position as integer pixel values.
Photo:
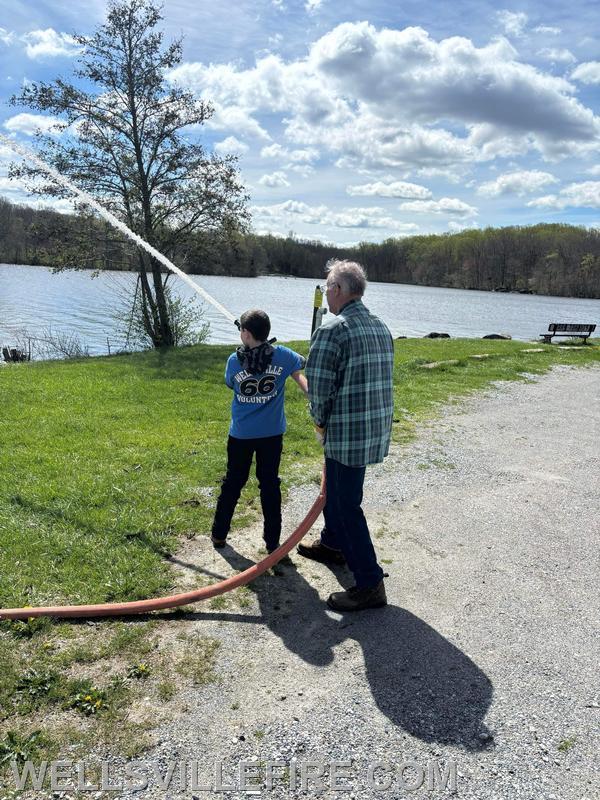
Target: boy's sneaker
(358, 599)
(320, 552)
(218, 543)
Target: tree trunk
(165, 328)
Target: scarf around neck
(256, 359)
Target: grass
(199, 660)
(166, 691)
(105, 463)
(105, 466)
(566, 744)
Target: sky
(360, 121)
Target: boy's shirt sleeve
(296, 361)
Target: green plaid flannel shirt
(350, 385)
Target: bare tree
(128, 143)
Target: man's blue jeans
(346, 528)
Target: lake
(33, 299)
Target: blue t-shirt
(257, 406)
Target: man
(350, 388)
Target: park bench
(567, 329)
(13, 354)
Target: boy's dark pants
(239, 459)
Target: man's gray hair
(350, 275)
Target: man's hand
(320, 434)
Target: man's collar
(349, 303)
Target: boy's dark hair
(257, 323)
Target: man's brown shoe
(358, 599)
(320, 552)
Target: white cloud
(595, 170)
(271, 232)
(547, 201)
(549, 29)
(512, 22)
(446, 205)
(298, 161)
(395, 189)
(369, 142)
(64, 205)
(273, 151)
(372, 217)
(407, 75)
(289, 207)
(236, 119)
(16, 193)
(457, 225)
(31, 123)
(49, 43)
(274, 180)
(6, 153)
(576, 195)
(232, 146)
(264, 87)
(303, 156)
(383, 99)
(6, 37)
(304, 170)
(437, 172)
(520, 183)
(8, 186)
(270, 86)
(588, 72)
(557, 55)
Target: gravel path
(485, 661)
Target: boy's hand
(320, 434)
(301, 381)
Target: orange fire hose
(158, 603)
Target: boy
(257, 373)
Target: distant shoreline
(317, 278)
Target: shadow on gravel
(419, 680)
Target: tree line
(549, 258)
